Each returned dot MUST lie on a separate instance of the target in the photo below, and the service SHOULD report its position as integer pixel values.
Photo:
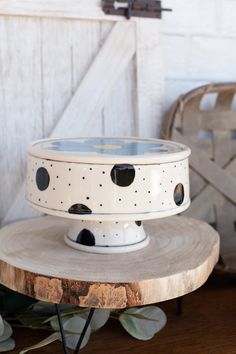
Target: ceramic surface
(108, 179)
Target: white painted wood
(76, 9)
(56, 62)
(81, 114)
(64, 77)
(149, 64)
(20, 101)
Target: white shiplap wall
(52, 81)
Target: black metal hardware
(137, 8)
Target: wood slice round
(34, 260)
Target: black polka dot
(123, 175)
(86, 237)
(139, 223)
(179, 194)
(42, 178)
(79, 209)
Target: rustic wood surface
(206, 326)
(35, 261)
(205, 120)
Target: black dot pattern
(79, 188)
(138, 223)
(123, 175)
(86, 237)
(42, 178)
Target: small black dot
(136, 191)
(61, 202)
(103, 172)
(135, 204)
(171, 181)
(116, 234)
(150, 202)
(119, 199)
(163, 171)
(69, 169)
(117, 222)
(69, 184)
(51, 165)
(175, 166)
(100, 204)
(100, 222)
(39, 199)
(54, 189)
(100, 185)
(83, 177)
(90, 168)
(149, 192)
(103, 235)
(87, 198)
(160, 184)
(144, 179)
(57, 176)
(165, 191)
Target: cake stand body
(107, 186)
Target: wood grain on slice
(35, 261)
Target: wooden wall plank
(87, 39)
(20, 100)
(119, 112)
(110, 62)
(56, 70)
(149, 64)
(76, 9)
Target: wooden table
(35, 261)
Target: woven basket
(205, 120)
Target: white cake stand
(107, 187)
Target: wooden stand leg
(91, 312)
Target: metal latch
(129, 8)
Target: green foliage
(143, 322)
(6, 342)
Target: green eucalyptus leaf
(52, 338)
(1, 326)
(99, 318)
(143, 322)
(76, 325)
(7, 332)
(33, 320)
(7, 345)
(72, 340)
